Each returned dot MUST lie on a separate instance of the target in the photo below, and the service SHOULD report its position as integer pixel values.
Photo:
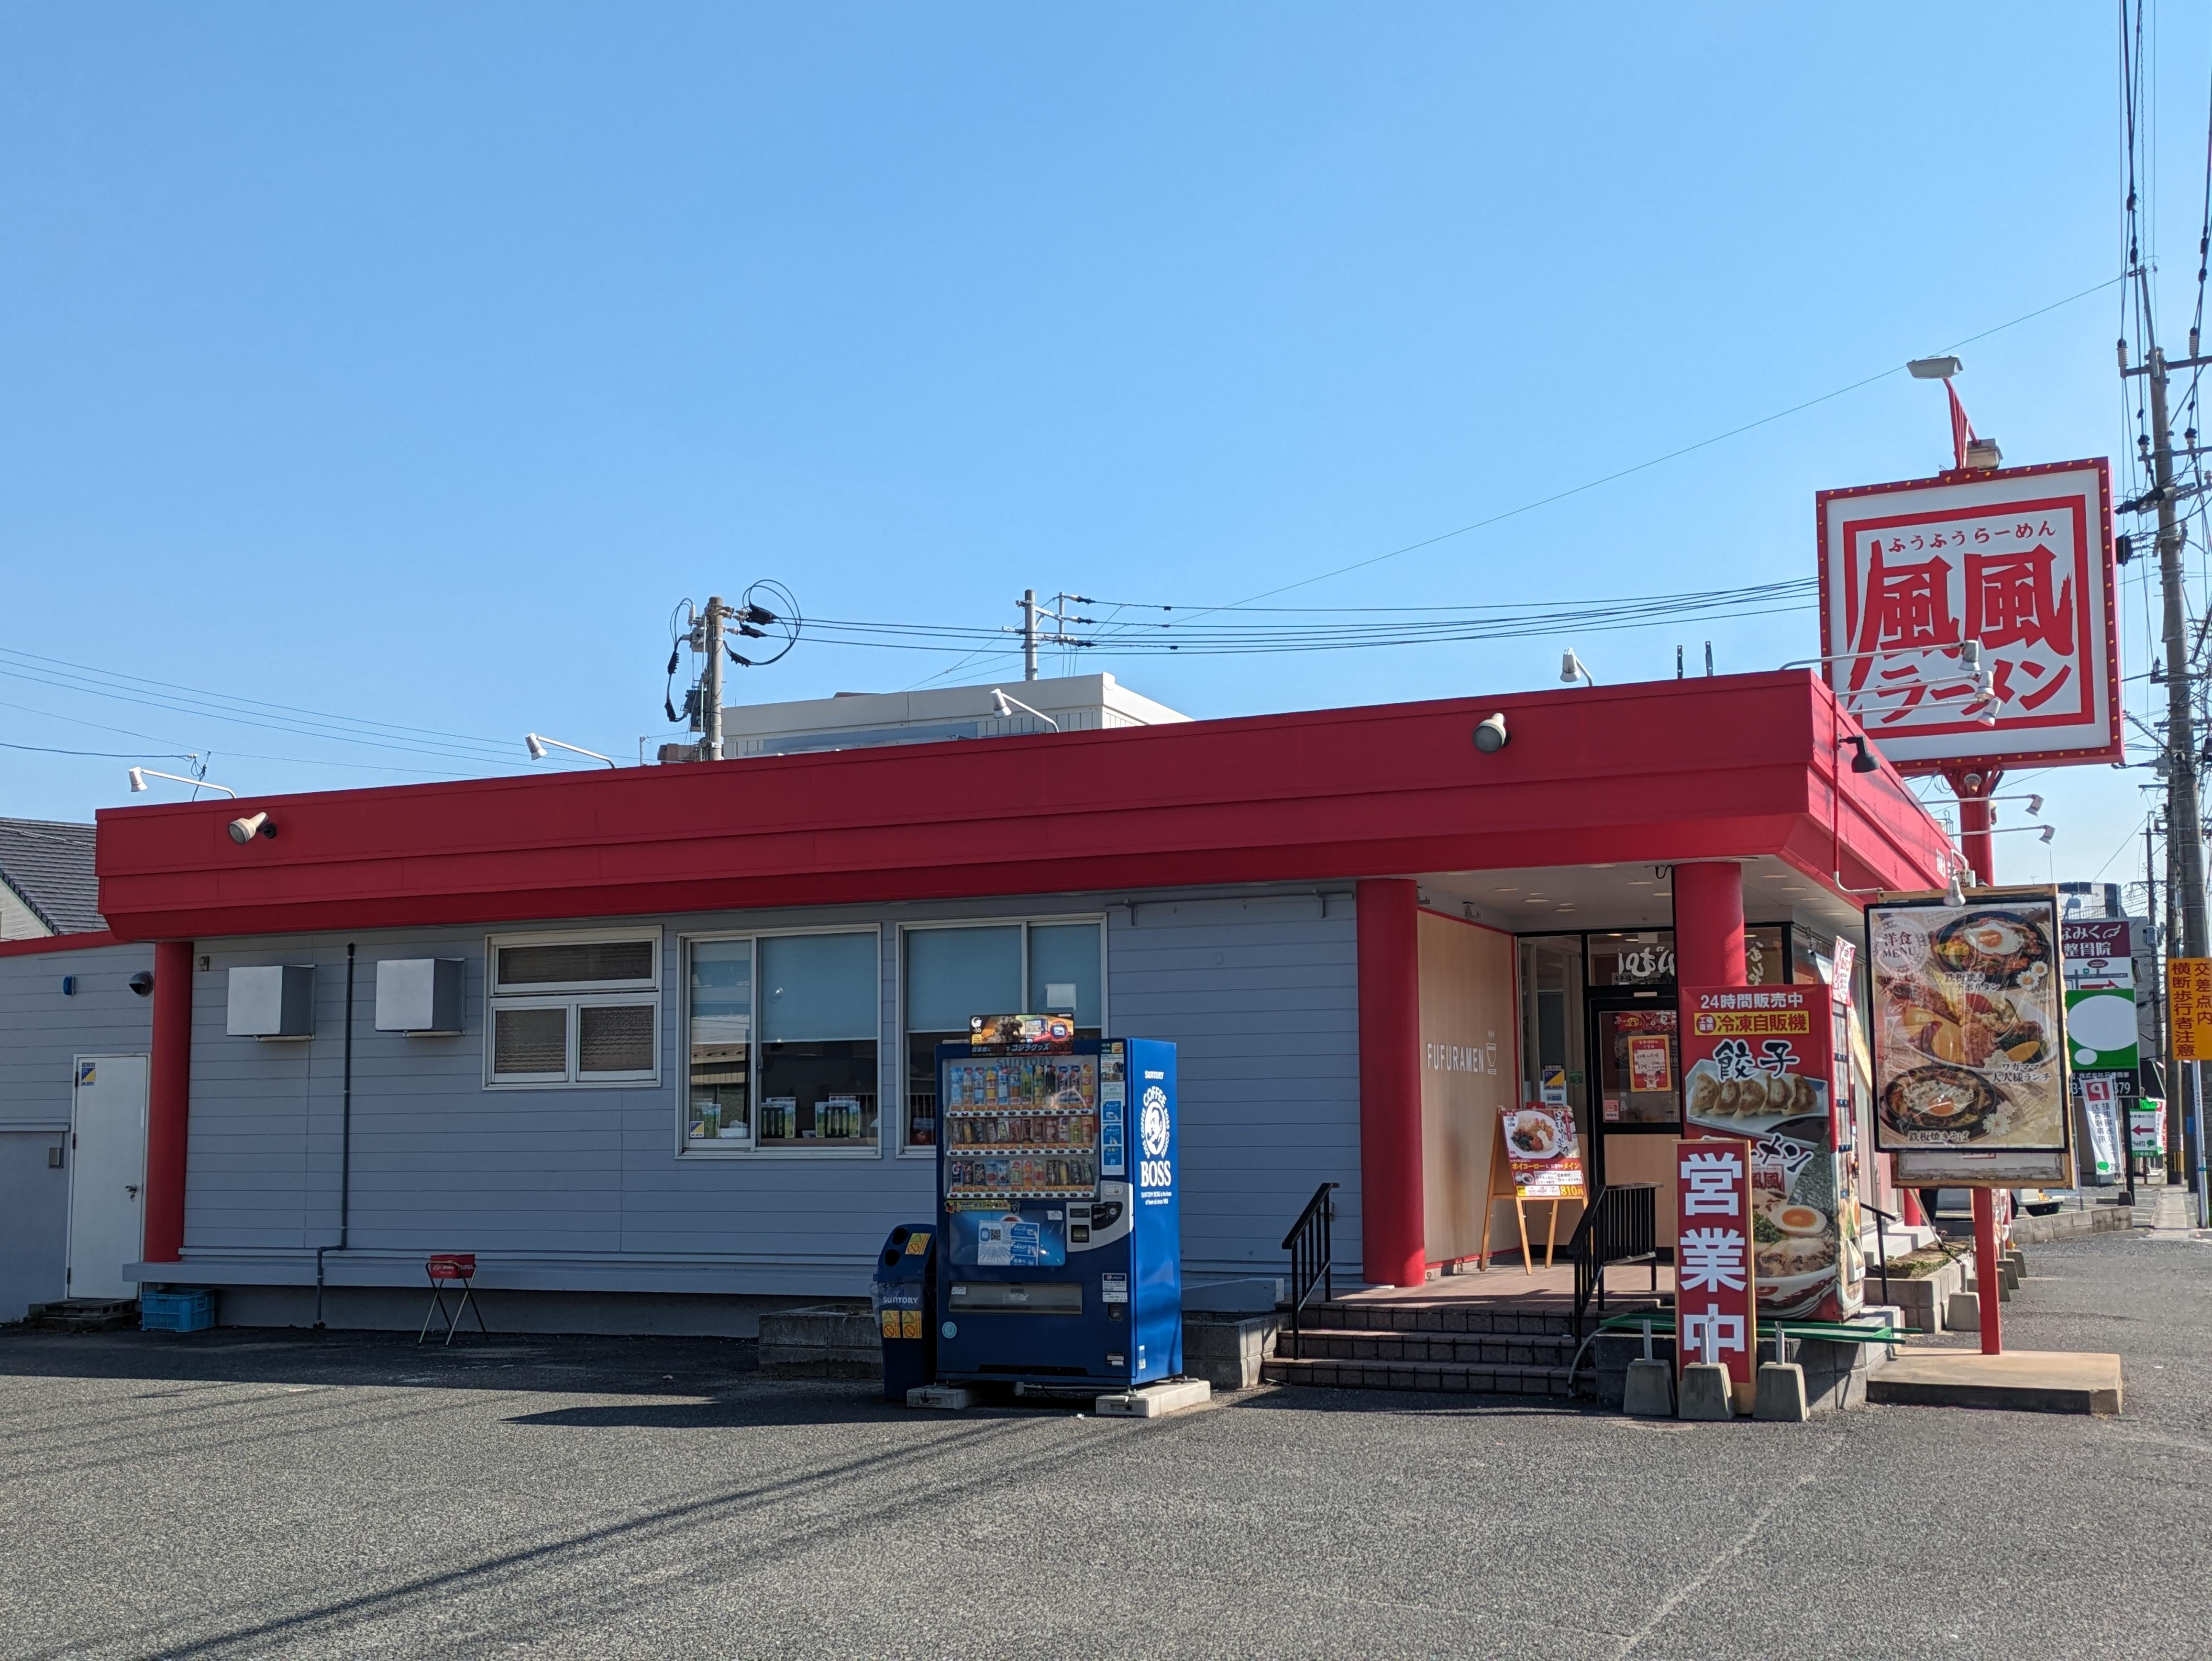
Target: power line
(87, 680)
(104, 755)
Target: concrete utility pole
(710, 687)
(2184, 833)
(1028, 634)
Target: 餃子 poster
(1969, 1037)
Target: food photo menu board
(1541, 1152)
(1969, 1038)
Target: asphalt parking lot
(243, 1494)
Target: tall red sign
(1715, 1298)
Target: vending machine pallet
(947, 1398)
(1156, 1400)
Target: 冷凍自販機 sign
(2016, 560)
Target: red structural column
(1394, 1228)
(169, 1101)
(1973, 789)
(1709, 924)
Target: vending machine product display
(1059, 1259)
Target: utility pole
(1028, 634)
(710, 686)
(2184, 833)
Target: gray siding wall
(585, 1189)
(41, 1034)
(1259, 995)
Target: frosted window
(530, 1041)
(615, 1038)
(574, 962)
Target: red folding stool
(448, 1269)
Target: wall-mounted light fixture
(140, 775)
(1007, 707)
(1490, 734)
(535, 744)
(253, 824)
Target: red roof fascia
(1711, 767)
(40, 943)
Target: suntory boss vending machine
(1059, 1256)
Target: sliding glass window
(783, 1043)
(719, 1115)
(820, 998)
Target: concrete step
(1489, 1380)
(84, 1315)
(1460, 1315)
(1448, 1348)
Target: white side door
(107, 1175)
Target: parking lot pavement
(283, 1494)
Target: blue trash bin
(905, 1299)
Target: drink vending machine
(1060, 1249)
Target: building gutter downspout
(345, 1144)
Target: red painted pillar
(169, 1101)
(1394, 1227)
(1986, 1278)
(1973, 790)
(1709, 923)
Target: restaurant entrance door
(1635, 1067)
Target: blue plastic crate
(181, 1309)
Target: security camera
(1490, 736)
(253, 824)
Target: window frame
(573, 996)
(1023, 921)
(685, 1148)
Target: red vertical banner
(1715, 1291)
(1759, 1062)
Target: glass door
(1635, 1067)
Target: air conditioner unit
(421, 995)
(275, 1001)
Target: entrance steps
(1436, 1344)
(84, 1315)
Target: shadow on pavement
(581, 1365)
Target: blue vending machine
(1059, 1260)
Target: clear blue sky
(411, 362)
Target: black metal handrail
(1620, 1224)
(1883, 1220)
(1312, 1261)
